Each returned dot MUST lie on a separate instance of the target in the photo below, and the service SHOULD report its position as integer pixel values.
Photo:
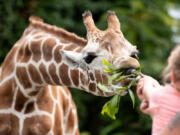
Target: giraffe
(34, 98)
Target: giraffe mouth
(129, 71)
(130, 75)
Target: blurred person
(173, 127)
(162, 102)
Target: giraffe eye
(135, 55)
(89, 58)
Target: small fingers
(151, 82)
(140, 87)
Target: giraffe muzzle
(127, 63)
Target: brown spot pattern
(23, 77)
(60, 97)
(6, 94)
(20, 53)
(83, 79)
(33, 93)
(70, 47)
(66, 90)
(63, 72)
(44, 101)
(71, 122)
(36, 50)
(105, 79)
(75, 77)
(65, 104)
(54, 91)
(44, 73)
(91, 76)
(52, 71)
(20, 101)
(30, 107)
(58, 122)
(47, 48)
(92, 87)
(37, 125)
(62, 34)
(34, 74)
(57, 55)
(27, 54)
(98, 76)
(9, 124)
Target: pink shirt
(164, 104)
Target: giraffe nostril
(129, 71)
(135, 56)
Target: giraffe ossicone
(35, 74)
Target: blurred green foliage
(145, 23)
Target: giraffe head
(110, 45)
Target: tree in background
(145, 23)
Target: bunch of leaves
(111, 107)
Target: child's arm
(145, 91)
(173, 127)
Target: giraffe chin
(127, 81)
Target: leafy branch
(111, 107)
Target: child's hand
(145, 88)
(140, 88)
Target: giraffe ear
(73, 59)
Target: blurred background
(152, 25)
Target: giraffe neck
(38, 63)
(27, 73)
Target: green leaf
(136, 73)
(110, 66)
(103, 88)
(122, 88)
(131, 94)
(132, 83)
(108, 70)
(111, 107)
(122, 78)
(114, 77)
(139, 68)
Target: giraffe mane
(59, 32)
